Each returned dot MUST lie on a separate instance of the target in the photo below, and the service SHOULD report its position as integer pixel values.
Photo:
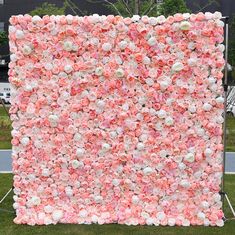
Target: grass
(5, 132)
(7, 227)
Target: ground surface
(7, 227)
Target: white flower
(106, 46)
(135, 18)
(35, 201)
(19, 34)
(45, 172)
(80, 152)
(184, 183)
(68, 46)
(171, 221)
(169, 121)
(99, 71)
(217, 15)
(192, 61)
(48, 209)
(36, 19)
(98, 199)
(205, 205)
(94, 41)
(178, 66)
(149, 81)
(69, 191)
(185, 222)
(208, 152)
(68, 68)
(221, 47)
(100, 104)
(153, 20)
(186, 15)
(148, 170)
(94, 218)
(161, 19)
(207, 107)
(145, 215)
(185, 25)
(77, 137)
(140, 146)
(150, 221)
(27, 50)
(219, 100)
(208, 15)
(163, 153)
(201, 215)
(152, 41)
(53, 119)
(57, 215)
(135, 199)
(164, 84)
(69, 19)
(189, 157)
(24, 141)
(122, 45)
(220, 222)
(48, 66)
(115, 182)
(217, 197)
(161, 215)
(192, 108)
(83, 213)
(106, 147)
(120, 72)
(77, 164)
(161, 113)
(146, 60)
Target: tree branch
(126, 6)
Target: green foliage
(170, 7)
(3, 37)
(48, 9)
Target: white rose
(45, 172)
(217, 15)
(161, 19)
(120, 72)
(77, 184)
(80, 152)
(219, 100)
(94, 41)
(48, 66)
(53, 119)
(178, 66)
(148, 170)
(106, 46)
(145, 214)
(68, 68)
(122, 45)
(220, 222)
(221, 47)
(48, 209)
(77, 137)
(217, 197)
(135, 199)
(171, 222)
(205, 205)
(192, 108)
(185, 222)
(76, 164)
(57, 215)
(69, 191)
(99, 71)
(201, 215)
(146, 60)
(115, 182)
(98, 199)
(185, 25)
(106, 147)
(36, 19)
(153, 20)
(69, 19)
(161, 215)
(192, 62)
(189, 157)
(25, 141)
(149, 81)
(94, 218)
(68, 45)
(169, 121)
(35, 201)
(164, 84)
(184, 183)
(161, 113)
(181, 166)
(150, 221)
(27, 50)
(186, 15)
(135, 18)
(83, 213)
(207, 107)
(163, 153)
(152, 41)
(19, 34)
(140, 146)
(208, 15)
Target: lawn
(7, 227)
(5, 135)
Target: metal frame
(222, 192)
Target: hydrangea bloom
(117, 120)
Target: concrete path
(6, 161)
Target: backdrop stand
(225, 85)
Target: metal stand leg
(223, 193)
(4, 197)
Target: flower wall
(117, 120)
